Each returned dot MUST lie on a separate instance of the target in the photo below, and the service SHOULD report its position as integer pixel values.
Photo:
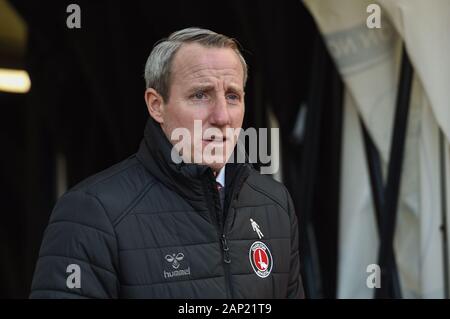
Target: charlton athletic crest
(260, 259)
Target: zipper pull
(225, 248)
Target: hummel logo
(175, 259)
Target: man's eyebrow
(235, 88)
(209, 87)
(201, 87)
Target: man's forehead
(196, 62)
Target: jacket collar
(193, 182)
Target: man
(174, 221)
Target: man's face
(206, 85)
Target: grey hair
(158, 65)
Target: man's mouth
(218, 139)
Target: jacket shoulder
(266, 190)
(115, 188)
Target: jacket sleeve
(78, 256)
(295, 285)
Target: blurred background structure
(364, 118)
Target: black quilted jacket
(148, 228)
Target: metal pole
(442, 143)
(378, 196)
(388, 224)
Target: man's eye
(233, 97)
(199, 95)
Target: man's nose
(220, 115)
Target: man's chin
(216, 167)
(214, 161)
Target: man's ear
(155, 104)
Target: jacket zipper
(221, 222)
(226, 264)
(223, 242)
(221, 225)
